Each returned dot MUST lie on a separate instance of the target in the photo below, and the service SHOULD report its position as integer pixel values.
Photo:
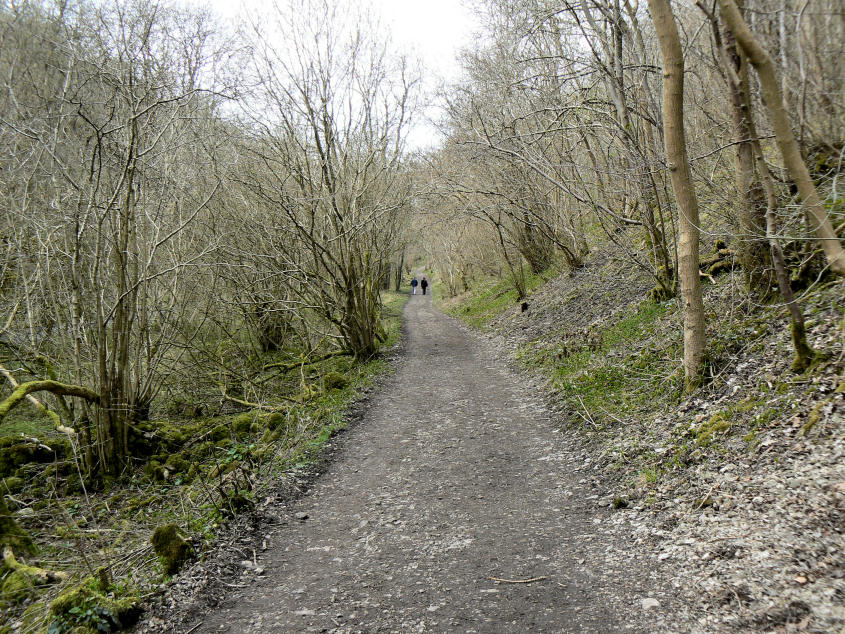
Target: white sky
(433, 29)
(430, 30)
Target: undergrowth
(608, 371)
(193, 473)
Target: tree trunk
(804, 354)
(534, 246)
(676, 154)
(751, 248)
(398, 278)
(787, 144)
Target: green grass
(491, 297)
(393, 303)
(606, 374)
(27, 421)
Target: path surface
(454, 476)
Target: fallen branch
(24, 390)
(287, 367)
(532, 580)
(720, 261)
(703, 500)
(264, 408)
(38, 576)
(589, 417)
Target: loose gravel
(454, 504)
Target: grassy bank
(611, 369)
(489, 298)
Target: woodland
(206, 236)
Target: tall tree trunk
(750, 164)
(762, 62)
(804, 354)
(751, 248)
(676, 154)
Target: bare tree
(114, 254)
(676, 152)
(326, 160)
(772, 95)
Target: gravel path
(454, 477)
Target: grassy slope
(491, 297)
(612, 361)
(205, 470)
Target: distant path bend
(454, 477)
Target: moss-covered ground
(189, 473)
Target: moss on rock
(171, 547)
(335, 381)
(221, 432)
(87, 608)
(16, 587)
(154, 471)
(11, 534)
(72, 484)
(12, 484)
(275, 420)
(177, 464)
(245, 424)
(13, 456)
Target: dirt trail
(455, 475)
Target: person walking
(424, 284)
(414, 283)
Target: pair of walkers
(423, 284)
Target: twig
(287, 367)
(703, 500)
(589, 417)
(33, 574)
(532, 580)
(265, 408)
(618, 420)
(194, 628)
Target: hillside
(739, 488)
